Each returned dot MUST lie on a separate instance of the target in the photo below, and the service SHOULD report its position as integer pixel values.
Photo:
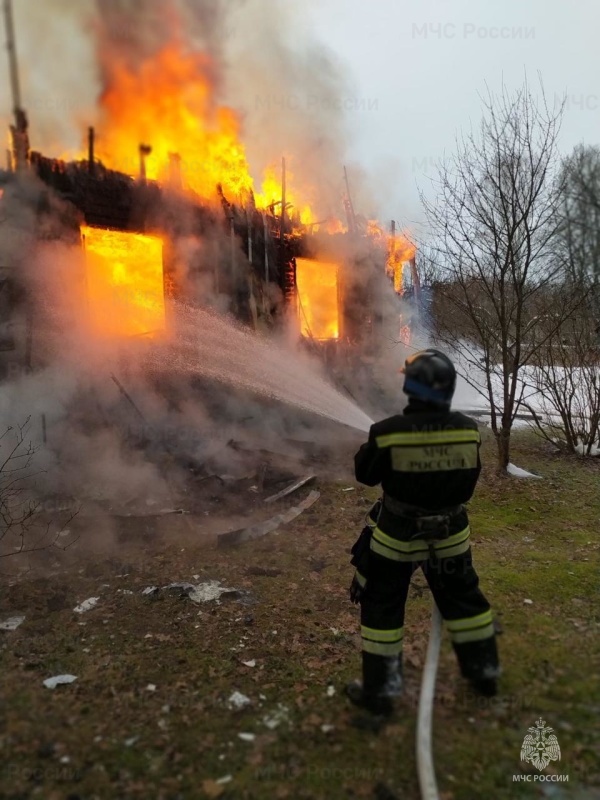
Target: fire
(400, 251)
(334, 226)
(317, 283)
(374, 229)
(271, 194)
(125, 282)
(168, 105)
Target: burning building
(164, 207)
(122, 265)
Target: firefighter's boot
(479, 664)
(382, 683)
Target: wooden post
(19, 131)
(11, 48)
(283, 190)
(350, 208)
(266, 234)
(144, 150)
(249, 223)
(392, 253)
(91, 138)
(416, 283)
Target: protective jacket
(427, 462)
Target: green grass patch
(111, 735)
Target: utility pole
(18, 131)
(349, 206)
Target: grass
(110, 735)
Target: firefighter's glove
(357, 589)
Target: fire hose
(425, 766)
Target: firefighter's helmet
(430, 376)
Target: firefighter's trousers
(455, 588)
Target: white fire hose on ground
(425, 767)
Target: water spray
(213, 346)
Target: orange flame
(400, 251)
(168, 105)
(317, 284)
(374, 229)
(125, 282)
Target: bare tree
(23, 526)
(563, 383)
(580, 210)
(494, 225)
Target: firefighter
(427, 462)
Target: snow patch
(86, 605)
(12, 623)
(276, 717)
(581, 449)
(57, 680)
(517, 472)
(237, 701)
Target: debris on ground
(276, 717)
(131, 741)
(197, 592)
(58, 680)
(86, 605)
(247, 737)
(268, 526)
(237, 701)
(212, 590)
(180, 589)
(293, 487)
(251, 663)
(12, 623)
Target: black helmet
(430, 376)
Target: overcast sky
(423, 86)
(416, 68)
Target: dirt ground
(152, 712)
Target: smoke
(264, 63)
(292, 92)
(289, 92)
(57, 71)
(119, 424)
(109, 441)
